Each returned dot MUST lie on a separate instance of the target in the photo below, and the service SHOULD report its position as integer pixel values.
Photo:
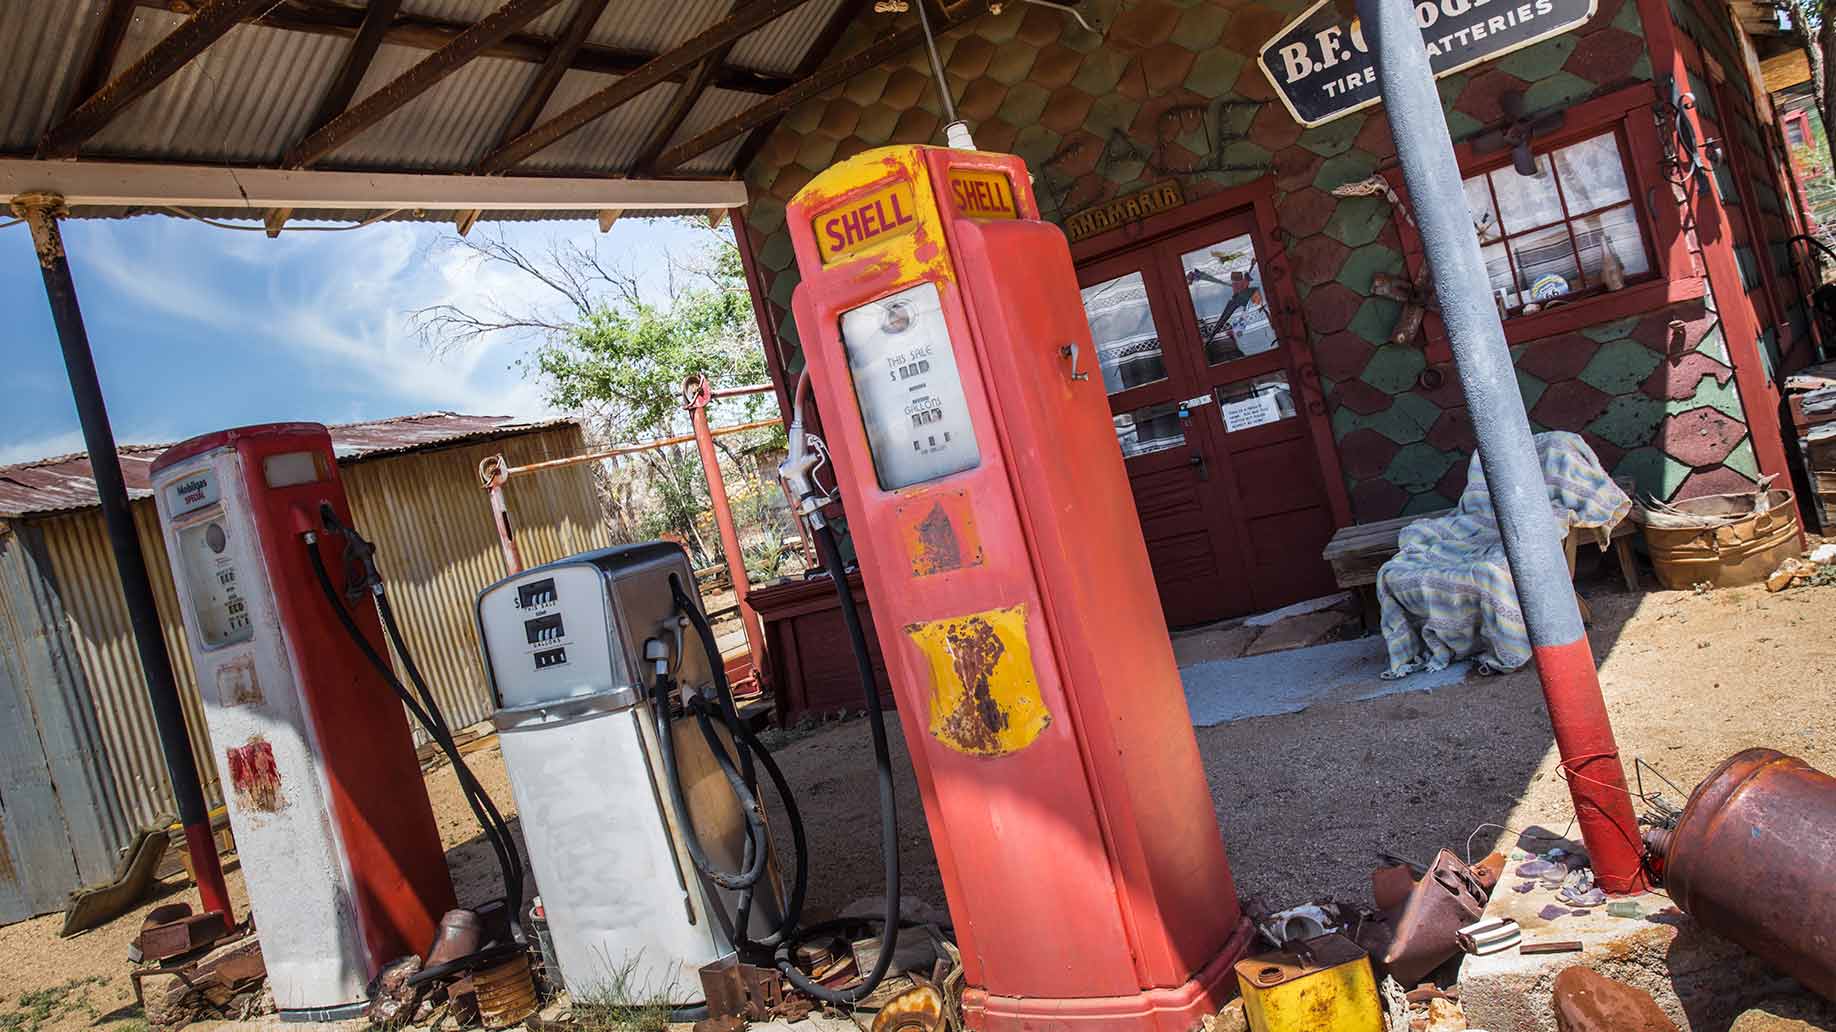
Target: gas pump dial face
(909, 389)
(214, 584)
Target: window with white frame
(1571, 229)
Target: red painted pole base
(1591, 764)
(202, 849)
(1151, 1010)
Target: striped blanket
(1448, 595)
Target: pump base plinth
(1151, 1010)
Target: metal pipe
(696, 393)
(1507, 453)
(494, 473)
(41, 213)
(937, 70)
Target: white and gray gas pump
(576, 651)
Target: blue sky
(196, 328)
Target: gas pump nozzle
(799, 466)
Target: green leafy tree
(605, 348)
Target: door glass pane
(1256, 401)
(1224, 283)
(1122, 327)
(1149, 430)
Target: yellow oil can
(1322, 984)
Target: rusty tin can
(506, 993)
(1754, 859)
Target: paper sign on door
(1241, 415)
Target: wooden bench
(1357, 552)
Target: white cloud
(339, 302)
(25, 450)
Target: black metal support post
(1507, 452)
(41, 214)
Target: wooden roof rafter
(351, 70)
(628, 88)
(585, 15)
(831, 73)
(211, 20)
(427, 73)
(423, 32)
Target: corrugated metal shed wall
(104, 642)
(432, 527)
(435, 544)
(37, 854)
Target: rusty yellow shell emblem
(984, 692)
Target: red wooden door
(1206, 393)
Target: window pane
(1122, 327)
(1225, 286)
(1479, 203)
(1546, 266)
(1263, 399)
(1498, 270)
(1592, 175)
(1149, 430)
(1525, 202)
(1614, 231)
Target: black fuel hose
(830, 553)
(490, 822)
(753, 862)
(788, 935)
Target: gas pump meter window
(908, 387)
(213, 582)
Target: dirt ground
(1306, 800)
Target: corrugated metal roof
(779, 46)
(252, 93)
(715, 106)
(609, 143)
(65, 482)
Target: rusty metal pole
(1507, 453)
(696, 393)
(41, 213)
(493, 473)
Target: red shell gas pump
(339, 848)
(1000, 549)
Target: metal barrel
(1753, 859)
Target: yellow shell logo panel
(878, 205)
(984, 690)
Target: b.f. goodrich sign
(1321, 65)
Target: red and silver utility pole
(1507, 453)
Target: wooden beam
(608, 218)
(275, 220)
(149, 185)
(465, 220)
(631, 86)
(103, 51)
(351, 70)
(833, 73)
(1785, 70)
(426, 33)
(208, 25)
(356, 61)
(680, 105)
(560, 59)
(433, 68)
(820, 50)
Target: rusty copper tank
(1753, 859)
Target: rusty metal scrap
(1751, 860)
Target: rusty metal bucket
(506, 993)
(1742, 552)
(1754, 859)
